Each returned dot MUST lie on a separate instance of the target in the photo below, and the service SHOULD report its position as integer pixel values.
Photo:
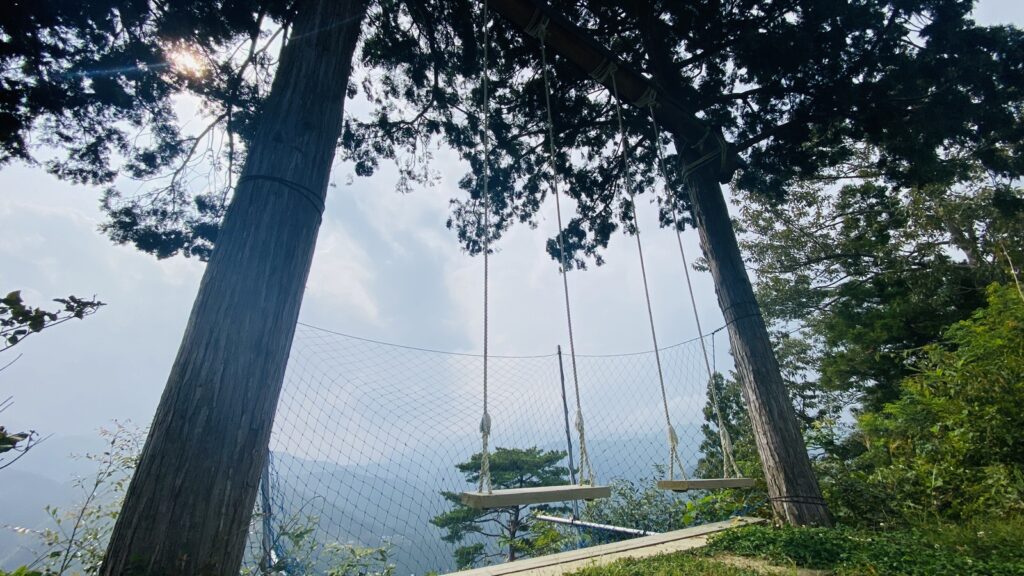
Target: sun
(186, 61)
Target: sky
(385, 268)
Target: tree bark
(792, 487)
(188, 507)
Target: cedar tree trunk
(188, 507)
(792, 487)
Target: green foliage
(950, 446)
(293, 535)
(972, 549)
(639, 505)
(805, 547)
(733, 411)
(798, 99)
(722, 504)
(78, 539)
(512, 528)
(17, 322)
(349, 560)
(869, 272)
(21, 571)
(10, 440)
(718, 505)
(642, 505)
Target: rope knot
(649, 99)
(604, 70)
(538, 25)
(485, 424)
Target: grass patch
(970, 549)
(667, 565)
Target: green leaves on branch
(851, 278)
(18, 321)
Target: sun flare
(186, 61)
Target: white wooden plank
(538, 495)
(705, 484)
(573, 560)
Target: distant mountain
(22, 505)
(393, 501)
(60, 458)
(43, 477)
(390, 500)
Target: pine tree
(513, 528)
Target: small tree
(640, 505)
(727, 401)
(513, 527)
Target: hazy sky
(385, 268)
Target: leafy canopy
(89, 89)
(798, 86)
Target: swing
(684, 484)
(485, 497)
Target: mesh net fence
(368, 434)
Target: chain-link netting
(367, 436)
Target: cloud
(342, 275)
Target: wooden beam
(576, 45)
(574, 560)
(538, 495)
(705, 484)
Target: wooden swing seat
(538, 495)
(705, 484)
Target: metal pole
(568, 435)
(268, 542)
(593, 525)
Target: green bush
(950, 447)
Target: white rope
(722, 153)
(586, 475)
(673, 438)
(485, 420)
(723, 434)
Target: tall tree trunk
(188, 507)
(792, 487)
(513, 531)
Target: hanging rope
(485, 420)
(673, 439)
(723, 434)
(586, 476)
